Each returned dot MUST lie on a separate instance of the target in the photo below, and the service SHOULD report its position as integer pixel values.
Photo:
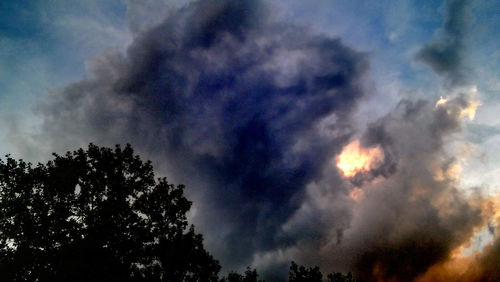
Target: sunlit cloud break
(355, 159)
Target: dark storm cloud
(445, 54)
(243, 111)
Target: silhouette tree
(96, 215)
(250, 276)
(299, 273)
(302, 274)
(339, 277)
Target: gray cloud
(445, 55)
(425, 215)
(406, 220)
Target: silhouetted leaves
(250, 276)
(339, 277)
(302, 274)
(299, 273)
(96, 215)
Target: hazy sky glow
(355, 135)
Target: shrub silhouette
(249, 276)
(96, 215)
(302, 274)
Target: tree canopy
(250, 275)
(300, 273)
(96, 215)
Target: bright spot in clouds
(470, 111)
(441, 101)
(355, 159)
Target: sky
(354, 135)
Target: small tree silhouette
(250, 276)
(302, 274)
(96, 215)
(339, 277)
(299, 273)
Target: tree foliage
(340, 277)
(96, 215)
(299, 273)
(302, 274)
(249, 276)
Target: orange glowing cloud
(355, 159)
(470, 110)
(479, 264)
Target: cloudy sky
(354, 135)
